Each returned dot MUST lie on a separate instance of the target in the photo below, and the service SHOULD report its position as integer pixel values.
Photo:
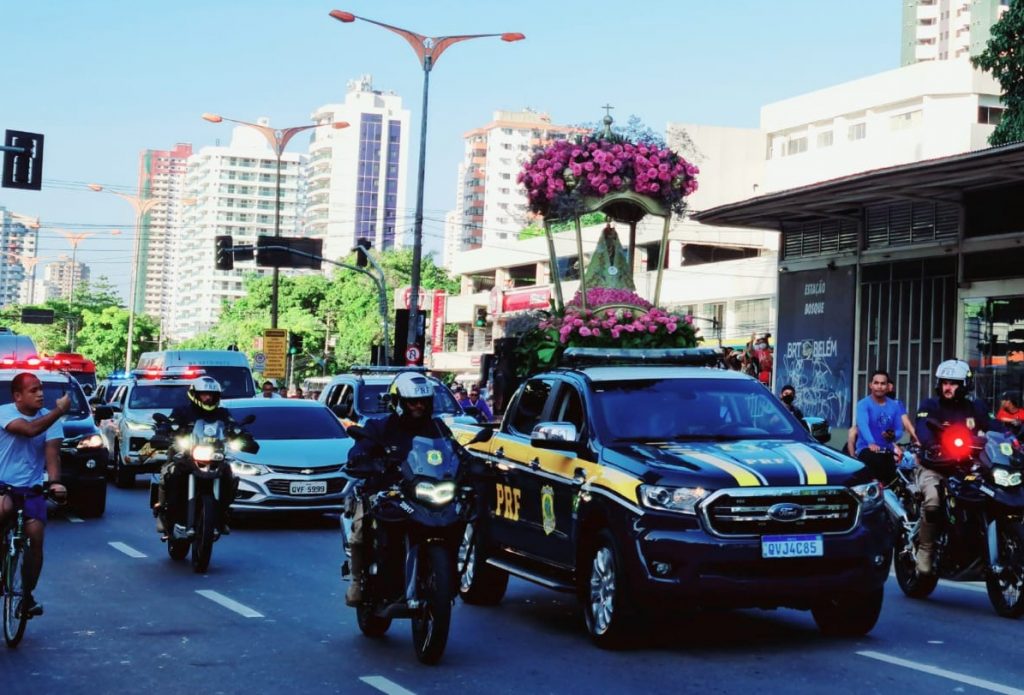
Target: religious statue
(609, 267)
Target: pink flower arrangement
(556, 177)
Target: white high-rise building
(356, 176)
(19, 239)
(492, 204)
(63, 277)
(947, 29)
(231, 190)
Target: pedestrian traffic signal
(362, 246)
(481, 317)
(224, 260)
(294, 343)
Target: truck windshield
(691, 409)
(158, 396)
(370, 402)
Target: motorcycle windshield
(432, 458)
(207, 432)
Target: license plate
(312, 487)
(792, 546)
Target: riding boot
(927, 532)
(357, 565)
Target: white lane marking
(74, 519)
(230, 604)
(385, 686)
(943, 673)
(126, 549)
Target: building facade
(947, 29)
(492, 204)
(161, 176)
(62, 277)
(19, 240)
(231, 190)
(357, 175)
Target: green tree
(1003, 57)
(104, 337)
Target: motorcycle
(413, 523)
(982, 532)
(207, 449)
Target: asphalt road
(121, 617)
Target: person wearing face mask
(788, 397)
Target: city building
(62, 277)
(947, 29)
(918, 112)
(19, 241)
(231, 190)
(161, 176)
(357, 175)
(492, 205)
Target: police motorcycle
(207, 448)
(414, 521)
(982, 535)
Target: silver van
(230, 368)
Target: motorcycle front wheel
(205, 527)
(911, 583)
(434, 588)
(1006, 589)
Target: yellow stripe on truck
(744, 478)
(812, 467)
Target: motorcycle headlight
(870, 495)
(682, 500)
(1006, 478)
(203, 453)
(243, 468)
(436, 493)
(183, 443)
(93, 441)
(134, 426)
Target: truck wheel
(479, 583)
(852, 614)
(605, 608)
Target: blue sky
(106, 79)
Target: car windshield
(236, 381)
(158, 396)
(692, 409)
(85, 378)
(370, 402)
(51, 392)
(290, 423)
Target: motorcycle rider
(374, 457)
(950, 405)
(204, 403)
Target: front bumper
(271, 492)
(710, 571)
(83, 466)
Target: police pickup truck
(643, 480)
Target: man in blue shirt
(475, 401)
(879, 427)
(30, 437)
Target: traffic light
(481, 317)
(224, 259)
(294, 343)
(362, 246)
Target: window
(531, 405)
(857, 131)
(990, 115)
(752, 315)
(796, 146)
(905, 121)
(569, 408)
(825, 139)
(506, 176)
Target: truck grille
(763, 511)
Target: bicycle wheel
(13, 619)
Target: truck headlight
(134, 426)
(1006, 478)
(243, 468)
(436, 493)
(93, 441)
(682, 500)
(870, 495)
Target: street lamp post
(141, 206)
(74, 240)
(428, 49)
(278, 139)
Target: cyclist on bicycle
(30, 437)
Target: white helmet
(205, 384)
(410, 385)
(954, 370)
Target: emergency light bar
(180, 373)
(679, 357)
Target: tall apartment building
(356, 176)
(493, 205)
(161, 176)
(947, 29)
(62, 277)
(231, 190)
(19, 239)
